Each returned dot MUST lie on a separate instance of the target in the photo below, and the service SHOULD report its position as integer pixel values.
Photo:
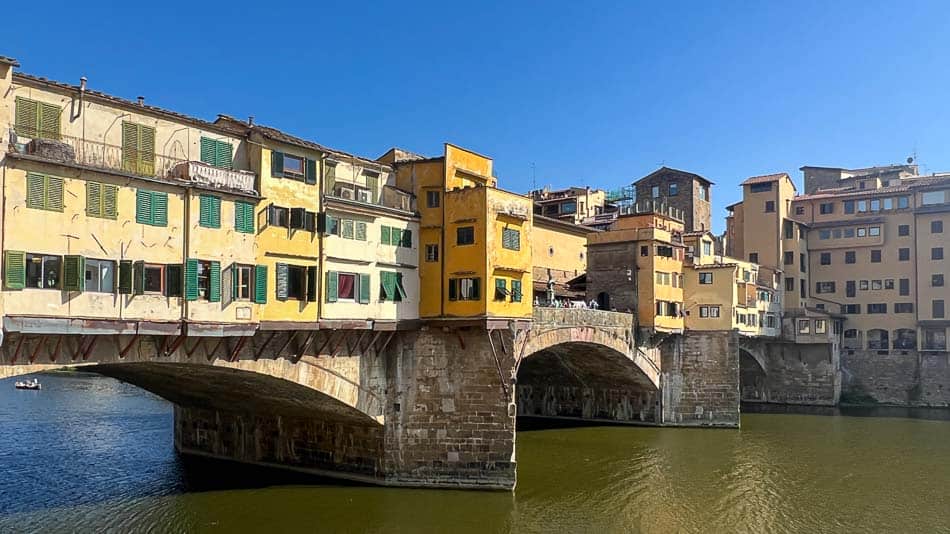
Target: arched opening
(753, 381)
(878, 339)
(585, 381)
(905, 339)
(603, 300)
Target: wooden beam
(325, 343)
(55, 352)
(125, 351)
(372, 342)
(386, 343)
(36, 349)
(78, 347)
(193, 348)
(286, 343)
(306, 345)
(175, 345)
(210, 356)
(88, 351)
(16, 353)
(260, 351)
(338, 343)
(237, 349)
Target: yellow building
(559, 255)
(637, 264)
(475, 261)
(122, 212)
(370, 251)
(723, 293)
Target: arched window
(603, 301)
(905, 339)
(852, 339)
(878, 339)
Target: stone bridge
(775, 370)
(430, 407)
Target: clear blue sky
(593, 94)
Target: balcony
(98, 155)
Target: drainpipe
(321, 180)
(186, 241)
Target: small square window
(826, 258)
(465, 235)
(705, 278)
(875, 256)
(874, 231)
(432, 199)
(936, 253)
(903, 254)
(862, 232)
(432, 252)
(936, 227)
(936, 280)
(850, 257)
(903, 230)
(769, 206)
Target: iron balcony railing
(144, 163)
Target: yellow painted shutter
(49, 121)
(27, 113)
(94, 199)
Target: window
(37, 119)
(674, 189)
(705, 278)
(151, 207)
(769, 206)
(821, 326)
(433, 199)
(216, 153)
(874, 231)
(875, 256)
(936, 280)
(664, 251)
(903, 307)
(850, 289)
(903, 230)
(789, 284)
(297, 168)
(850, 257)
(138, 149)
(44, 192)
(464, 288)
(888, 204)
(43, 272)
(799, 210)
(938, 309)
(878, 339)
(932, 197)
(804, 326)
(390, 287)
(346, 287)
(501, 289)
(788, 257)
(709, 311)
(644, 250)
(753, 257)
(827, 208)
(465, 235)
(301, 219)
(849, 206)
(101, 200)
(903, 254)
(904, 287)
(244, 217)
(432, 252)
(935, 338)
(862, 206)
(789, 229)
(655, 191)
(662, 278)
(511, 239)
(278, 216)
(889, 283)
(851, 309)
(936, 227)
(99, 276)
(824, 234)
(936, 253)
(877, 308)
(802, 262)
(209, 211)
(153, 277)
(204, 279)
(707, 248)
(241, 282)
(875, 205)
(516, 291)
(862, 232)
(704, 192)
(825, 258)
(876, 285)
(849, 232)
(770, 321)
(863, 285)
(903, 202)
(760, 187)
(824, 287)
(174, 277)
(802, 288)
(293, 165)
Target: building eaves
(665, 169)
(9, 61)
(847, 222)
(540, 220)
(765, 178)
(277, 135)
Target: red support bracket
(305, 346)
(16, 353)
(260, 351)
(390, 338)
(123, 352)
(325, 343)
(88, 351)
(189, 352)
(461, 342)
(286, 343)
(175, 345)
(79, 346)
(55, 352)
(237, 349)
(36, 349)
(210, 355)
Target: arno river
(90, 454)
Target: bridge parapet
(582, 317)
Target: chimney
(141, 100)
(250, 120)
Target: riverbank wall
(901, 378)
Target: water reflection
(88, 453)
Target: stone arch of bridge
(750, 355)
(277, 387)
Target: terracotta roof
(698, 233)
(670, 169)
(9, 61)
(570, 227)
(765, 178)
(904, 186)
(732, 206)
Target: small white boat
(29, 384)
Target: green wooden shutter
(372, 182)
(407, 238)
(173, 280)
(138, 277)
(143, 206)
(74, 273)
(160, 209)
(400, 289)
(386, 233)
(283, 282)
(208, 151)
(110, 201)
(35, 190)
(277, 164)
(311, 172)
(260, 284)
(125, 277)
(388, 282)
(364, 288)
(205, 211)
(501, 287)
(93, 199)
(453, 289)
(516, 291)
(333, 281)
(360, 230)
(14, 269)
(235, 282)
(222, 155)
(216, 212)
(214, 280)
(244, 217)
(49, 121)
(27, 117)
(54, 193)
(312, 283)
(191, 279)
(395, 237)
(346, 228)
